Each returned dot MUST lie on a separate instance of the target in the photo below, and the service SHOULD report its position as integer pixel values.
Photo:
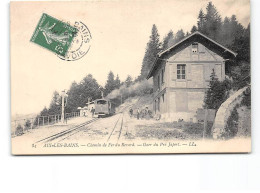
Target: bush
(27, 125)
(241, 75)
(19, 130)
(246, 101)
(231, 128)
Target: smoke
(136, 89)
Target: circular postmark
(80, 44)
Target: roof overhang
(195, 35)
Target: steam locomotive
(102, 107)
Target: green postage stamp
(54, 34)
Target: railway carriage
(103, 107)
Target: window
(162, 76)
(159, 82)
(155, 107)
(101, 102)
(194, 48)
(181, 71)
(163, 98)
(159, 104)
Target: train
(102, 107)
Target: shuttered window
(181, 71)
(159, 86)
(162, 76)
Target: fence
(21, 126)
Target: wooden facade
(181, 75)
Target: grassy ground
(152, 129)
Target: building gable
(203, 54)
(182, 51)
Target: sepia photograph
(130, 77)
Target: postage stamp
(54, 34)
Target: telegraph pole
(63, 95)
(62, 105)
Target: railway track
(67, 133)
(114, 135)
(118, 127)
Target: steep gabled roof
(160, 55)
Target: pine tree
(217, 92)
(128, 81)
(209, 97)
(201, 21)
(213, 22)
(117, 82)
(179, 36)
(74, 97)
(152, 49)
(231, 30)
(79, 94)
(193, 29)
(44, 112)
(226, 32)
(55, 105)
(168, 40)
(110, 84)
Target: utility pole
(63, 95)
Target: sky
(120, 31)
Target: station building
(181, 75)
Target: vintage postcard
(130, 77)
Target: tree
(27, 124)
(89, 88)
(168, 40)
(117, 82)
(19, 130)
(240, 71)
(74, 97)
(217, 92)
(179, 36)
(210, 23)
(128, 81)
(152, 49)
(213, 22)
(79, 94)
(44, 112)
(55, 105)
(231, 30)
(110, 84)
(231, 127)
(241, 45)
(193, 29)
(201, 21)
